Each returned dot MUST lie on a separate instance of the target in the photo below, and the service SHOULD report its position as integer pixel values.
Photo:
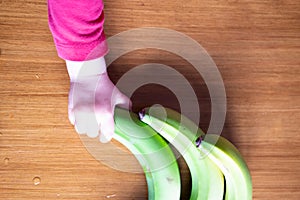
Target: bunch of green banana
(152, 152)
(217, 169)
(208, 157)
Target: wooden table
(255, 45)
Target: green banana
(207, 179)
(152, 152)
(224, 154)
(216, 148)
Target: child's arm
(77, 29)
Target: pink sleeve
(77, 28)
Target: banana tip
(198, 141)
(142, 114)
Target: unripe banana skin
(152, 152)
(220, 156)
(217, 168)
(225, 155)
(207, 179)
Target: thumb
(123, 101)
(107, 128)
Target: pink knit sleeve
(77, 28)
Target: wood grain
(255, 45)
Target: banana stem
(198, 141)
(142, 114)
